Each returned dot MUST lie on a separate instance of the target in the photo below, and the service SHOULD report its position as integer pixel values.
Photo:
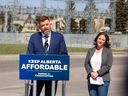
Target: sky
(79, 6)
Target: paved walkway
(10, 84)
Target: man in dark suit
(46, 42)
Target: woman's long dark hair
(107, 43)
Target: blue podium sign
(44, 67)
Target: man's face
(45, 27)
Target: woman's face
(101, 41)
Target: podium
(44, 67)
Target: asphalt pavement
(10, 84)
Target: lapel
(40, 41)
(104, 56)
(52, 41)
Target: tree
(72, 6)
(91, 9)
(74, 26)
(2, 22)
(121, 16)
(83, 27)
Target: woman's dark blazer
(107, 60)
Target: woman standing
(98, 63)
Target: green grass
(21, 49)
(12, 48)
(73, 49)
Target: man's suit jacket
(107, 60)
(57, 44)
